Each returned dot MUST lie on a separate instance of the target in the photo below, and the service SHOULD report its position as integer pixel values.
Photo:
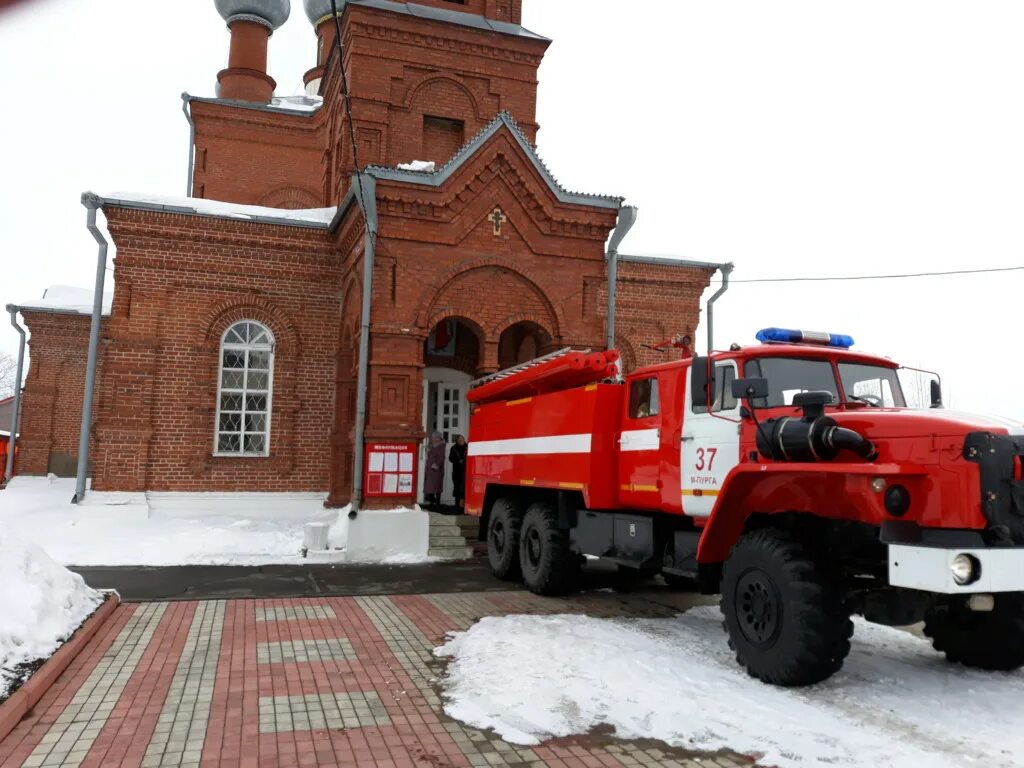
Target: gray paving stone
(335, 649)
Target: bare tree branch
(8, 371)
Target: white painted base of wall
(382, 535)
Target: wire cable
(347, 102)
(878, 277)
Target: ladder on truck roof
(517, 369)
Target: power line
(877, 277)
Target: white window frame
(248, 347)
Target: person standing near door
(457, 456)
(433, 479)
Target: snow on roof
(314, 217)
(301, 103)
(66, 299)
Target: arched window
(246, 384)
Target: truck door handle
(687, 438)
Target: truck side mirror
(936, 394)
(749, 389)
(702, 382)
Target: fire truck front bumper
(952, 571)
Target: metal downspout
(92, 204)
(726, 270)
(186, 108)
(369, 206)
(627, 218)
(16, 416)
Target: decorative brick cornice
(453, 43)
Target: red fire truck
(789, 476)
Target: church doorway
(452, 357)
(445, 410)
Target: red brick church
(228, 360)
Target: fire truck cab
(790, 476)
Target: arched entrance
(452, 357)
(521, 343)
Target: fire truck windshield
(789, 376)
(872, 385)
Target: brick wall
(181, 282)
(51, 415)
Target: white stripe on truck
(532, 446)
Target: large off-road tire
(549, 567)
(785, 612)
(992, 640)
(503, 539)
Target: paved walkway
(337, 681)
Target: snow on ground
(41, 605)
(116, 529)
(896, 702)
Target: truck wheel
(992, 640)
(784, 612)
(503, 539)
(549, 567)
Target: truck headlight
(966, 569)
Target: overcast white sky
(792, 137)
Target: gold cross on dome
(497, 218)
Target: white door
(445, 410)
(711, 444)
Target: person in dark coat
(457, 456)
(433, 477)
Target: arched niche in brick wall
(456, 343)
(494, 295)
(291, 198)
(522, 342)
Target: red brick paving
(238, 720)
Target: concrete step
(451, 553)
(443, 541)
(447, 541)
(470, 526)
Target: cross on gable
(497, 218)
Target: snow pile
(66, 298)
(896, 703)
(419, 166)
(299, 103)
(171, 529)
(41, 605)
(316, 216)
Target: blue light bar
(787, 336)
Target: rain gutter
(92, 203)
(367, 199)
(16, 416)
(186, 107)
(627, 218)
(726, 270)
